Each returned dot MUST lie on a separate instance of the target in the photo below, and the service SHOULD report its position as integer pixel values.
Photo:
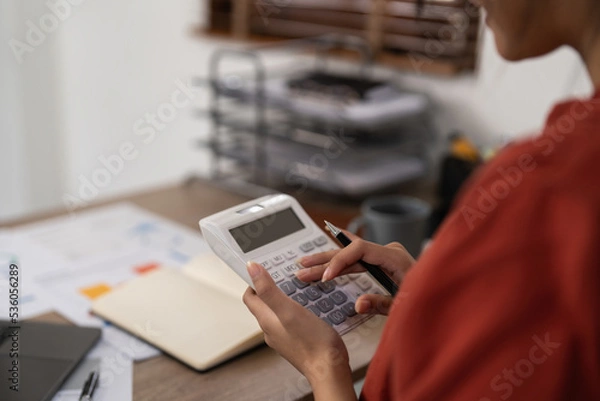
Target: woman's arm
(335, 385)
(308, 343)
(392, 258)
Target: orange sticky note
(141, 269)
(95, 291)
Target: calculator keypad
(301, 299)
(277, 260)
(277, 276)
(299, 283)
(291, 254)
(287, 287)
(332, 301)
(307, 246)
(289, 270)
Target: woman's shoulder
(563, 159)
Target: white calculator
(276, 232)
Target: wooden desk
(260, 374)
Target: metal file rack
(264, 133)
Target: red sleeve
(505, 302)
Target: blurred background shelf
(317, 126)
(440, 38)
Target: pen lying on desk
(89, 387)
(375, 271)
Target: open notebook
(195, 314)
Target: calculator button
(314, 310)
(277, 276)
(289, 270)
(354, 276)
(312, 293)
(289, 255)
(364, 282)
(326, 287)
(320, 241)
(336, 317)
(266, 264)
(300, 298)
(353, 291)
(338, 297)
(348, 309)
(342, 280)
(325, 305)
(299, 283)
(277, 260)
(287, 287)
(307, 247)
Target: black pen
(375, 271)
(90, 386)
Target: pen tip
(331, 228)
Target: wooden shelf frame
(442, 38)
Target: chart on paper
(96, 251)
(108, 231)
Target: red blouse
(505, 304)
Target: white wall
(76, 96)
(121, 60)
(505, 100)
(111, 62)
(11, 149)
(31, 107)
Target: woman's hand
(308, 343)
(392, 258)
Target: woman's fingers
(373, 303)
(324, 257)
(271, 296)
(265, 317)
(311, 273)
(318, 258)
(392, 258)
(315, 273)
(350, 235)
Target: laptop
(38, 357)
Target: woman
(505, 303)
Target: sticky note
(95, 291)
(148, 267)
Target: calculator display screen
(263, 231)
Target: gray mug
(393, 218)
